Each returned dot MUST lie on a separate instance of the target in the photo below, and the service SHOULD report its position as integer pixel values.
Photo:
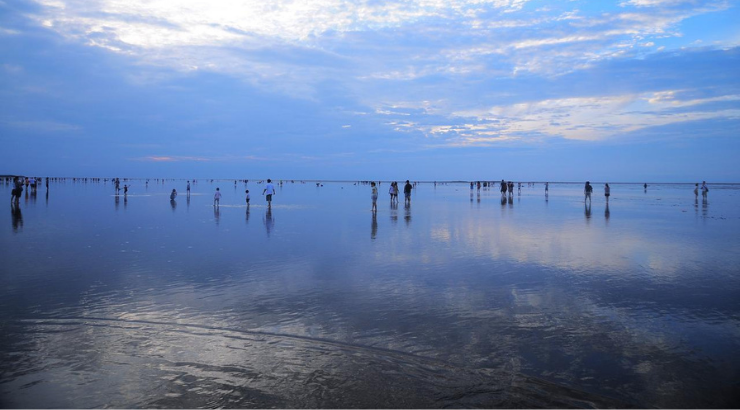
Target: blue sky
(627, 90)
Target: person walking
(587, 190)
(607, 192)
(217, 197)
(269, 191)
(407, 192)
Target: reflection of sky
(477, 285)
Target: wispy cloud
(42, 126)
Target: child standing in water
(217, 197)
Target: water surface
(461, 299)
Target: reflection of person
(15, 211)
(587, 190)
(588, 210)
(269, 191)
(374, 196)
(606, 212)
(374, 226)
(606, 192)
(269, 221)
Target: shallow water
(459, 300)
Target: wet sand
(460, 300)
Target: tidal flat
(460, 299)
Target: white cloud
(582, 118)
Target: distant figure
(217, 197)
(606, 193)
(547, 188)
(696, 190)
(173, 195)
(704, 189)
(187, 190)
(407, 192)
(269, 191)
(247, 198)
(504, 188)
(519, 189)
(46, 181)
(587, 190)
(511, 188)
(374, 196)
(477, 185)
(471, 185)
(125, 190)
(645, 187)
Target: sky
(526, 90)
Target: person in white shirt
(217, 197)
(269, 191)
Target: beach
(461, 299)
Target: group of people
(393, 192)
(268, 191)
(30, 183)
(704, 189)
